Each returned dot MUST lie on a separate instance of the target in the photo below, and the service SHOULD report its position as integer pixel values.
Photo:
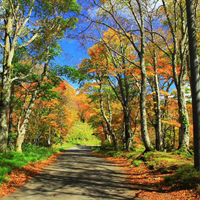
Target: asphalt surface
(77, 174)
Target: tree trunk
(183, 119)
(184, 132)
(157, 109)
(144, 132)
(159, 134)
(4, 107)
(107, 136)
(10, 120)
(108, 122)
(6, 84)
(179, 79)
(127, 128)
(22, 127)
(195, 80)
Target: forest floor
(20, 176)
(79, 174)
(147, 178)
(76, 174)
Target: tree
(96, 69)
(20, 32)
(195, 79)
(135, 24)
(153, 50)
(175, 17)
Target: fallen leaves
(148, 184)
(18, 177)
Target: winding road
(77, 174)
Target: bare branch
(113, 50)
(2, 46)
(23, 77)
(30, 41)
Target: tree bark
(179, 79)
(107, 135)
(22, 128)
(159, 133)
(108, 122)
(10, 120)
(195, 80)
(144, 130)
(183, 119)
(157, 108)
(14, 24)
(6, 84)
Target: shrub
(169, 180)
(186, 177)
(12, 160)
(107, 146)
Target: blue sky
(72, 55)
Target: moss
(164, 161)
(137, 163)
(156, 160)
(186, 177)
(184, 153)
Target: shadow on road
(77, 174)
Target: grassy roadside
(13, 160)
(175, 167)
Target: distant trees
(144, 49)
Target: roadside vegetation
(174, 170)
(80, 134)
(31, 154)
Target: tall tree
(135, 25)
(176, 21)
(23, 22)
(156, 86)
(195, 79)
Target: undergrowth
(31, 153)
(186, 177)
(180, 162)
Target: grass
(179, 162)
(153, 159)
(64, 147)
(31, 153)
(168, 160)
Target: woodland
(135, 82)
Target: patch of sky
(72, 55)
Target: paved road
(76, 175)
